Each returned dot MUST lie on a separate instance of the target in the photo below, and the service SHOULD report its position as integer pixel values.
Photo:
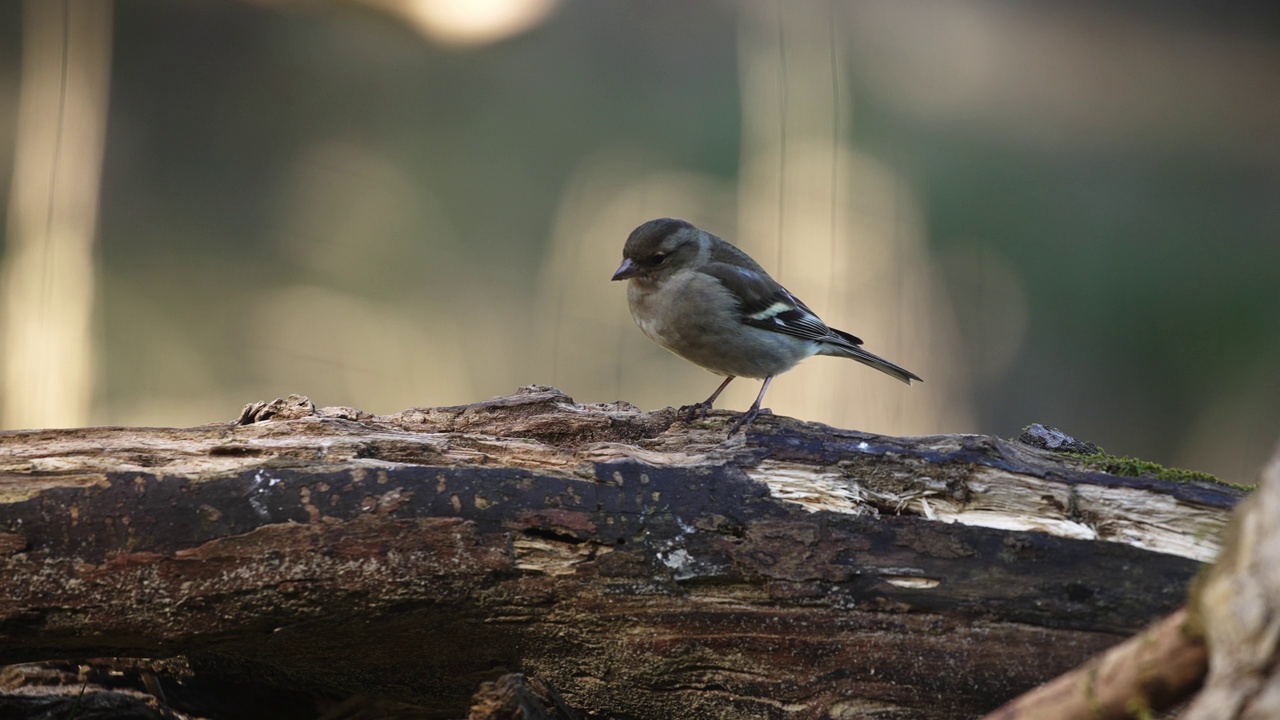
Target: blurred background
(1057, 213)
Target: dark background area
(1079, 206)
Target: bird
(705, 300)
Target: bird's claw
(696, 410)
(747, 418)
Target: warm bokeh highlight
(1057, 215)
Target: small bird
(710, 303)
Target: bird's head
(659, 248)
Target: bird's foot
(696, 410)
(747, 418)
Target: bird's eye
(658, 258)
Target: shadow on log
(641, 566)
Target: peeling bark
(642, 566)
(1227, 641)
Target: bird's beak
(626, 270)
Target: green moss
(1133, 467)
(1050, 438)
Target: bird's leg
(700, 409)
(749, 416)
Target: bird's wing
(765, 304)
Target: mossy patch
(1126, 466)
(1094, 457)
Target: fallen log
(642, 566)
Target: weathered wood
(515, 696)
(1230, 634)
(1236, 605)
(115, 688)
(1152, 671)
(645, 567)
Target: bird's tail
(850, 349)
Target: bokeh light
(1056, 214)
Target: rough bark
(1228, 640)
(642, 566)
(1154, 670)
(1237, 608)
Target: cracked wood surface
(644, 566)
